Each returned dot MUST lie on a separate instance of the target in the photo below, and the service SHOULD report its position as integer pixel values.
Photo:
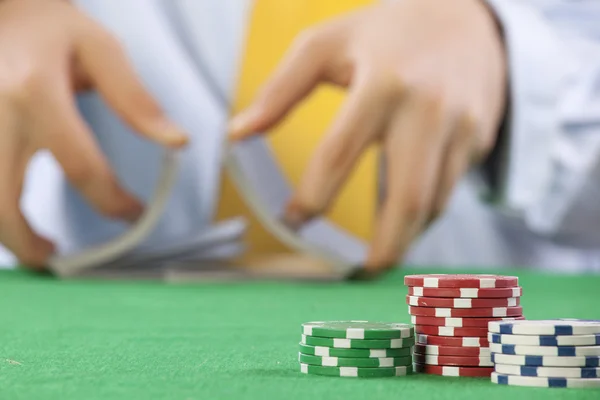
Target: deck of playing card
(318, 251)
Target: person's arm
(546, 166)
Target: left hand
(48, 51)
(426, 80)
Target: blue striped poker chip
(553, 327)
(557, 351)
(548, 372)
(545, 340)
(546, 361)
(536, 381)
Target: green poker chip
(356, 372)
(358, 343)
(354, 353)
(355, 362)
(358, 330)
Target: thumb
(297, 75)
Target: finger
(299, 72)
(457, 160)
(357, 125)
(413, 147)
(108, 68)
(15, 232)
(61, 130)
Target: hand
(426, 80)
(48, 50)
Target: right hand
(48, 51)
(426, 83)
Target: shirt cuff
(532, 127)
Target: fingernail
(294, 218)
(241, 125)
(45, 250)
(41, 250)
(133, 212)
(47, 247)
(381, 261)
(175, 136)
(130, 208)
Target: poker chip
(357, 330)
(546, 361)
(452, 351)
(356, 348)
(546, 353)
(464, 292)
(466, 312)
(548, 372)
(475, 361)
(354, 353)
(562, 351)
(451, 314)
(547, 327)
(459, 322)
(356, 372)
(461, 281)
(451, 331)
(358, 343)
(461, 302)
(354, 362)
(452, 341)
(454, 371)
(545, 340)
(516, 380)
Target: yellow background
(272, 27)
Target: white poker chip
(548, 372)
(546, 361)
(557, 351)
(546, 327)
(545, 340)
(515, 380)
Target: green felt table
(141, 340)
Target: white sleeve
(549, 160)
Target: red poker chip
(461, 303)
(458, 322)
(470, 293)
(452, 351)
(454, 371)
(467, 342)
(451, 331)
(461, 281)
(457, 361)
(466, 312)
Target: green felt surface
(100, 340)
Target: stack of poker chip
(550, 353)
(356, 349)
(451, 315)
